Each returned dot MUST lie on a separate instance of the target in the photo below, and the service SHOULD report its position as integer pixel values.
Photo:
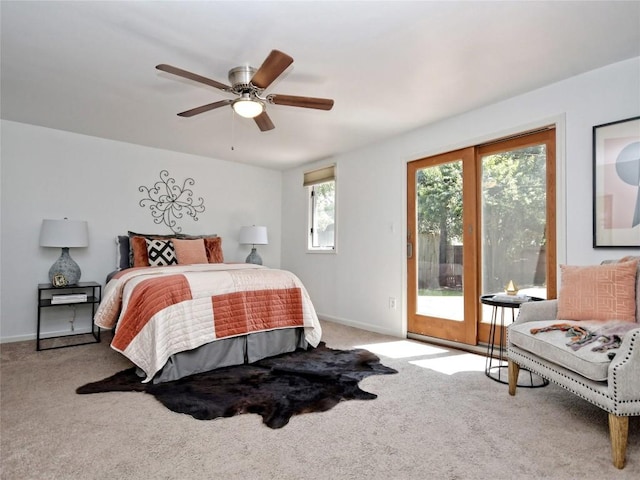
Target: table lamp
(253, 236)
(64, 234)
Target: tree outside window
(323, 214)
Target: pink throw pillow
(190, 251)
(599, 292)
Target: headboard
(130, 251)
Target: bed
(185, 317)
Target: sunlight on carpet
(403, 349)
(445, 361)
(466, 362)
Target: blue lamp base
(254, 257)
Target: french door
(442, 246)
(478, 218)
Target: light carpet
(440, 417)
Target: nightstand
(83, 293)
(494, 372)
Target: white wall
(52, 174)
(55, 174)
(353, 286)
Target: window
(321, 185)
(322, 199)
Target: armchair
(585, 363)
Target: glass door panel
(514, 221)
(514, 196)
(441, 201)
(439, 241)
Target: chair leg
(618, 430)
(514, 371)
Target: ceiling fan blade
(192, 76)
(305, 102)
(204, 108)
(273, 66)
(264, 122)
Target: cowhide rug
(276, 388)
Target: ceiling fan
(249, 85)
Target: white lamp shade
(64, 233)
(253, 235)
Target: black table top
(515, 303)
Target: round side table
(496, 352)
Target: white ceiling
(88, 67)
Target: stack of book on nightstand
(68, 298)
(506, 297)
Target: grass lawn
(439, 293)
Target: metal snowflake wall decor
(169, 202)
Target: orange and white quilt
(160, 311)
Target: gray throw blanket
(609, 336)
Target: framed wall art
(616, 184)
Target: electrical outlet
(392, 303)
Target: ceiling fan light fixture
(249, 84)
(247, 107)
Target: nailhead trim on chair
(566, 387)
(546, 367)
(625, 360)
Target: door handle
(409, 249)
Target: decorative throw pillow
(138, 246)
(213, 246)
(138, 256)
(184, 236)
(161, 252)
(143, 262)
(600, 292)
(122, 252)
(190, 251)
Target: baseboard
(329, 318)
(362, 326)
(480, 349)
(477, 349)
(18, 338)
(44, 336)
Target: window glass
(322, 208)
